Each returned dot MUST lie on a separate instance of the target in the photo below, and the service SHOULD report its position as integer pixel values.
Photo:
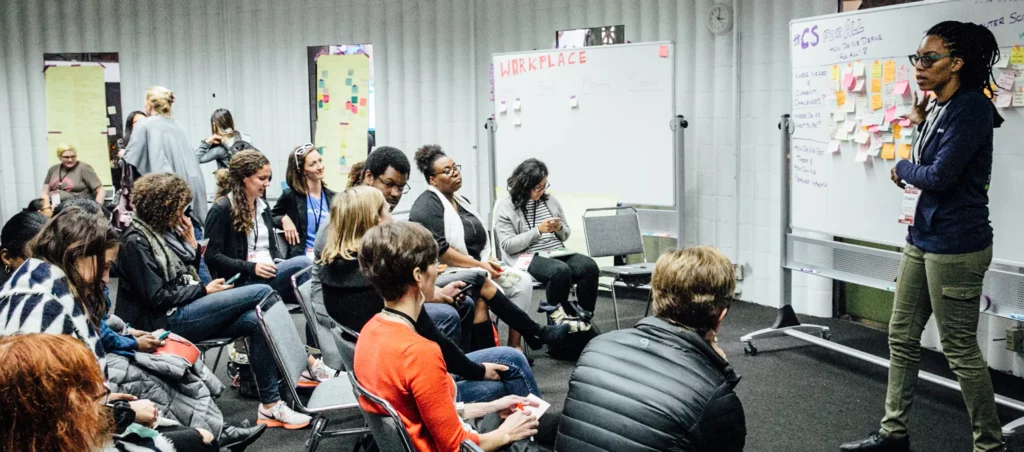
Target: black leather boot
(236, 439)
(878, 443)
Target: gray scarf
(169, 253)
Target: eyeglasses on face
(926, 60)
(450, 170)
(391, 185)
(539, 188)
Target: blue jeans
(446, 319)
(282, 281)
(517, 380)
(204, 271)
(232, 313)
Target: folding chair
(388, 430)
(617, 235)
(333, 396)
(216, 342)
(323, 336)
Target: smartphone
(188, 210)
(233, 279)
(463, 291)
(163, 335)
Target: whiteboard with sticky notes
(598, 117)
(852, 81)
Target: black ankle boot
(549, 334)
(878, 443)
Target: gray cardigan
(512, 232)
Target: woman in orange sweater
(406, 369)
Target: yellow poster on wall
(76, 114)
(342, 116)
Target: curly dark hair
(524, 178)
(160, 199)
(425, 158)
(384, 157)
(243, 165)
(355, 174)
(975, 45)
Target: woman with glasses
(531, 222)
(223, 136)
(949, 240)
(71, 178)
(663, 384)
(464, 243)
(305, 206)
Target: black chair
(324, 337)
(217, 342)
(618, 235)
(388, 430)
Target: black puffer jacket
(656, 387)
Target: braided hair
(976, 46)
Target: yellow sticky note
(876, 69)
(840, 98)
(889, 72)
(876, 101)
(835, 73)
(888, 151)
(876, 85)
(896, 131)
(904, 151)
(1017, 55)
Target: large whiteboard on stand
(834, 193)
(597, 116)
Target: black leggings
(561, 272)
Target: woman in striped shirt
(531, 222)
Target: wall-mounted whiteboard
(597, 116)
(833, 192)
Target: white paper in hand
(536, 411)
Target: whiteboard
(835, 194)
(616, 140)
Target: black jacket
(227, 252)
(352, 301)
(143, 296)
(294, 206)
(656, 387)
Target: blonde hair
(161, 99)
(353, 212)
(692, 286)
(64, 147)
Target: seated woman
(397, 364)
(60, 291)
(160, 288)
(463, 243)
(352, 301)
(15, 234)
(664, 384)
(530, 221)
(306, 204)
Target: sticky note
(876, 144)
(355, 99)
(351, 72)
(863, 107)
(859, 87)
(863, 136)
(1004, 99)
(897, 130)
(889, 71)
(888, 138)
(319, 104)
(838, 116)
(1004, 61)
(327, 98)
(876, 85)
(1018, 97)
(517, 121)
(1005, 81)
(833, 147)
(850, 126)
(362, 101)
(573, 102)
(883, 127)
(111, 110)
(111, 131)
(842, 135)
(905, 122)
(355, 108)
(323, 73)
(858, 69)
(502, 107)
(348, 81)
(355, 89)
(873, 129)
(890, 114)
(840, 98)
(834, 73)
(851, 104)
(326, 91)
(862, 155)
(327, 107)
(848, 81)
(348, 105)
(876, 101)
(904, 151)
(663, 51)
(901, 88)
(888, 151)
(1017, 55)
(876, 69)
(517, 105)
(320, 84)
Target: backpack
(572, 347)
(124, 208)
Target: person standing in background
(218, 146)
(160, 145)
(117, 159)
(949, 240)
(71, 178)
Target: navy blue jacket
(953, 174)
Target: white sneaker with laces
(321, 372)
(280, 415)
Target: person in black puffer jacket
(663, 385)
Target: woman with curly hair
(160, 288)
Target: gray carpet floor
(797, 397)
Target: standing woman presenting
(949, 244)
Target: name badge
(309, 253)
(908, 208)
(523, 263)
(54, 199)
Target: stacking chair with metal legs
(212, 343)
(617, 235)
(325, 338)
(333, 396)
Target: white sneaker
(280, 415)
(321, 372)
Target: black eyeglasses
(405, 188)
(449, 170)
(926, 60)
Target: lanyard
(60, 177)
(401, 314)
(256, 233)
(319, 209)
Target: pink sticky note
(833, 147)
(890, 114)
(348, 105)
(663, 51)
(327, 98)
(905, 123)
(873, 129)
(901, 87)
(355, 108)
(848, 81)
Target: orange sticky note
(897, 130)
(840, 98)
(888, 151)
(876, 85)
(876, 101)
(889, 71)
(835, 73)
(904, 151)
(1017, 55)
(362, 101)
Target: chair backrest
(613, 235)
(285, 343)
(388, 430)
(347, 346)
(302, 282)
